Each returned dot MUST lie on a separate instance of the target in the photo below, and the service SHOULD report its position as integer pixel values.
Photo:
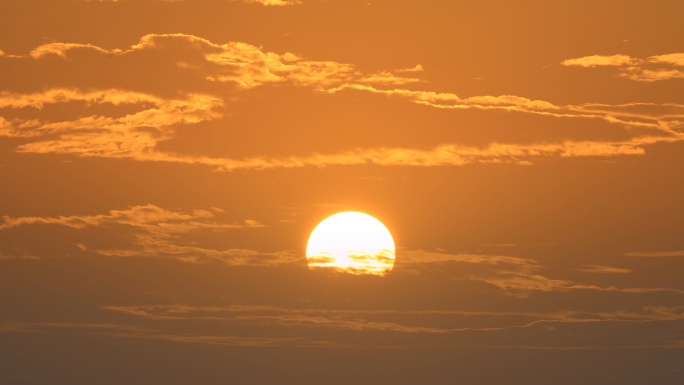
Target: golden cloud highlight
(650, 69)
(137, 135)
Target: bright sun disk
(352, 242)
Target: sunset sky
(163, 163)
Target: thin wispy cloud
(273, 2)
(149, 217)
(277, 3)
(649, 69)
(515, 276)
(656, 254)
(371, 323)
(151, 231)
(599, 269)
(189, 324)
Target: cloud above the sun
(119, 118)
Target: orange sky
(163, 163)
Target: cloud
(149, 231)
(520, 284)
(676, 59)
(61, 49)
(650, 69)
(646, 75)
(149, 217)
(138, 135)
(274, 2)
(419, 257)
(249, 66)
(254, 326)
(368, 334)
(619, 114)
(134, 135)
(132, 331)
(227, 312)
(417, 68)
(141, 147)
(656, 254)
(599, 60)
(239, 63)
(604, 269)
(378, 263)
(451, 328)
(123, 136)
(262, 2)
(514, 276)
(111, 96)
(102, 132)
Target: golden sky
(163, 163)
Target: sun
(351, 242)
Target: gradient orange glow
(167, 168)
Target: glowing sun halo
(351, 242)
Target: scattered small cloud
(650, 69)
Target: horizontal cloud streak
(148, 217)
(650, 69)
(599, 60)
(656, 254)
(277, 3)
(514, 276)
(372, 324)
(604, 269)
(151, 231)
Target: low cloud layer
(371, 329)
